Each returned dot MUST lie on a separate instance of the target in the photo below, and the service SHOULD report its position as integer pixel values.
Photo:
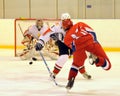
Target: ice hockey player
(30, 36)
(79, 38)
(57, 33)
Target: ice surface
(18, 78)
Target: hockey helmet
(65, 16)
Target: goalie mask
(39, 24)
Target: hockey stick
(50, 71)
(21, 30)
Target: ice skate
(92, 59)
(70, 83)
(86, 76)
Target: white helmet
(65, 16)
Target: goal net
(20, 25)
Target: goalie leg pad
(27, 40)
(25, 55)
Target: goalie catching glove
(39, 45)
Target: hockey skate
(86, 76)
(70, 83)
(92, 59)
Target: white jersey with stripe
(57, 28)
(34, 32)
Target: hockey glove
(39, 45)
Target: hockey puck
(30, 62)
(34, 59)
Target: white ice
(18, 78)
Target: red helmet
(67, 24)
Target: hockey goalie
(31, 35)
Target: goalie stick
(50, 71)
(21, 30)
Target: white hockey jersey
(34, 32)
(57, 28)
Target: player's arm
(45, 37)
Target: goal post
(22, 24)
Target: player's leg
(59, 64)
(84, 73)
(77, 66)
(102, 60)
(79, 59)
(62, 59)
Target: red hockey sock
(82, 70)
(73, 72)
(57, 69)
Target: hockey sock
(57, 69)
(73, 73)
(82, 69)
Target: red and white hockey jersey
(57, 28)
